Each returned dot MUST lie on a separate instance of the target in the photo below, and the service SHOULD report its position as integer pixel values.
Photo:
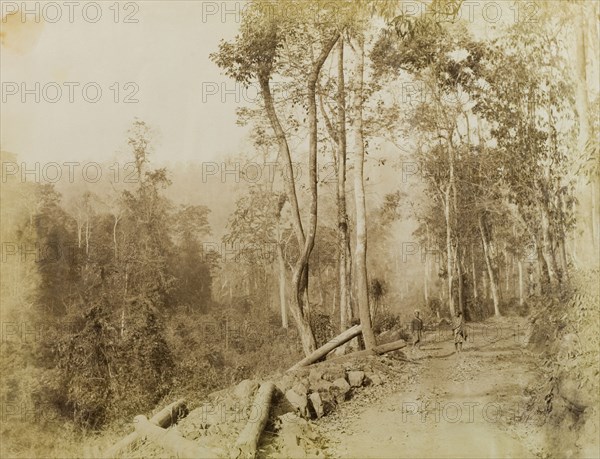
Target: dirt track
(468, 405)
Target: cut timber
(328, 347)
(247, 442)
(389, 347)
(164, 418)
(171, 441)
(379, 350)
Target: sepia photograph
(239, 229)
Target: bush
(565, 332)
(220, 348)
(385, 320)
(105, 375)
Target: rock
(374, 379)
(285, 383)
(293, 433)
(300, 388)
(299, 402)
(356, 378)
(342, 384)
(342, 389)
(333, 372)
(322, 386)
(327, 393)
(245, 389)
(317, 404)
(315, 376)
(572, 389)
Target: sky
(114, 62)
(159, 64)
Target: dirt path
(468, 405)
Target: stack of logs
(322, 393)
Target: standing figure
(458, 327)
(417, 330)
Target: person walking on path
(417, 330)
(458, 327)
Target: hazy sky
(165, 56)
(161, 62)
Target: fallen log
(389, 347)
(247, 442)
(329, 346)
(378, 350)
(164, 418)
(172, 442)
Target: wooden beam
(389, 347)
(164, 418)
(171, 441)
(247, 442)
(381, 349)
(328, 347)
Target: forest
(418, 160)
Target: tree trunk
(299, 276)
(506, 275)
(247, 442)
(543, 273)
(329, 346)
(164, 418)
(171, 441)
(490, 268)
(377, 350)
(484, 282)
(449, 255)
(299, 306)
(426, 284)
(459, 273)
(343, 236)
(360, 257)
(426, 281)
(588, 220)
(115, 236)
(549, 252)
(474, 272)
(520, 265)
(284, 151)
(282, 301)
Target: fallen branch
(171, 441)
(164, 418)
(329, 346)
(247, 442)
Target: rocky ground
(432, 402)
(472, 404)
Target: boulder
(328, 393)
(299, 402)
(315, 376)
(285, 383)
(321, 386)
(333, 372)
(245, 389)
(356, 378)
(342, 387)
(300, 388)
(317, 404)
(374, 379)
(575, 391)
